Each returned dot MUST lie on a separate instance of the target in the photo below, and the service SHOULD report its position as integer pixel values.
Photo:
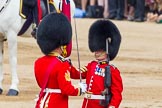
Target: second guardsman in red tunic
(104, 41)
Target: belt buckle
(88, 96)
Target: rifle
(107, 81)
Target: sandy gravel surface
(139, 60)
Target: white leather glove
(111, 106)
(83, 87)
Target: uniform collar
(102, 62)
(54, 53)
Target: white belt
(91, 96)
(48, 90)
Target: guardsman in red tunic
(53, 70)
(104, 41)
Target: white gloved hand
(83, 87)
(111, 106)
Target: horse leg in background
(12, 47)
(1, 65)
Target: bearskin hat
(54, 30)
(99, 32)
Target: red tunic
(95, 84)
(59, 79)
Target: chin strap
(64, 52)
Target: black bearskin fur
(99, 32)
(54, 30)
